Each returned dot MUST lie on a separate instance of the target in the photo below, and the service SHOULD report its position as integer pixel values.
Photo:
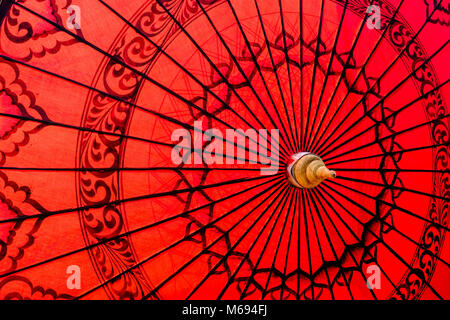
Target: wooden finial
(308, 171)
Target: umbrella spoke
(204, 251)
(283, 31)
(178, 242)
(394, 206)
(247, 255)
(389, 170)
(394, 188)
(185, 148)
(392, 115)
(351, 231)
(157, 114)
(390, 248)
(258, 68)
(306, 204)
(251, 279)
(269, 50)
(322, 150)
(204, 54)
(190, 74)
(134, 231)
(291, 199)
(330, 243)
(313, 81)
(347, 64)
(302, 41)
(291, 233)
(317, 139)
(299, 235)
(283, 191)
(327, 75)
(46, 214)
(351, 253)
(318, 243)
(119, 61)
(108, 169)
(325, 145)
(391, 226)
(389, 153)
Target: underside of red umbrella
(224, 149)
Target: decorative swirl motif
(15, 134)
(17, 200)
(400, 35)
(25, 31)
(96, 188)
(440, 131)
(21, 288)
(96, 150)
(442, 11)
(121, 80)
(138, 52)
(19, 101)
(108, 115)
(287, 283)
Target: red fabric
(101, 107)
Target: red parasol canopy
(223, 149)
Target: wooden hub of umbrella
(307, 170)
